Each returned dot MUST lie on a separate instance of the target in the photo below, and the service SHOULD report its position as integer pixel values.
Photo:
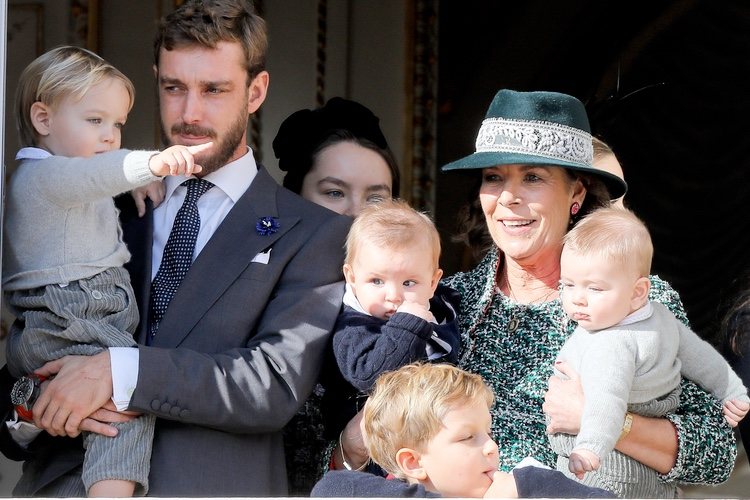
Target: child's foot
(112, 488)
(582, 461)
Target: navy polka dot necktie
(178, 253)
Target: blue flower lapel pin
(267, 226)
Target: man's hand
(563, 401)
(81, 386)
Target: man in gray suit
(240, 345)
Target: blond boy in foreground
(428, 426)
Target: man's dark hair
(208, 22)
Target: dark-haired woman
(335, 156)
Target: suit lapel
(227, 254)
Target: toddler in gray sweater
(630, 353)
(63, 253)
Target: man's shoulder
(295, 204)
(288, 202)
(311, 216)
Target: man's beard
(220, 153)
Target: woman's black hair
(307, 132)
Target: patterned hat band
(538, 138)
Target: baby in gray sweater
(62, 262)
(630, 353)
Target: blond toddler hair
(407, 406)
(61, 72)
(392, 224)
(615, 234)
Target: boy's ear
(436, 278)
(408, 461)
(640, 292)
(348, 273)
(40, 117)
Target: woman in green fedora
(535, 179)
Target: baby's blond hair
(407, 406)
(392, 224)
(615, 234)
(56, 74)
(601, 149)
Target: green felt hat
(537, 128)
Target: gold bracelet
(626, 425)
(343, 457)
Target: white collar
(644, 312)
(233, 178)
(32, 153)
(351, 300)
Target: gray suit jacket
(240, 346)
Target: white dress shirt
(231, 181)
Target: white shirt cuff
(530, 462)
(23, 433)
(124, 361)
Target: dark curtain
(685, 150)
(665, 83)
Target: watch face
(21, 391)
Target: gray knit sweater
(61, 223)
(638, 363)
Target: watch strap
(23, 408)
(24, 414)
(626, 425)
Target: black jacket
(531, 482)
(363, 347)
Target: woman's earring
(575, 208)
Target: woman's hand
(352, 445)
(563, 401)
(651, 441)
(109, 414)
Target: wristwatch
(626, 425)
(24, 393)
